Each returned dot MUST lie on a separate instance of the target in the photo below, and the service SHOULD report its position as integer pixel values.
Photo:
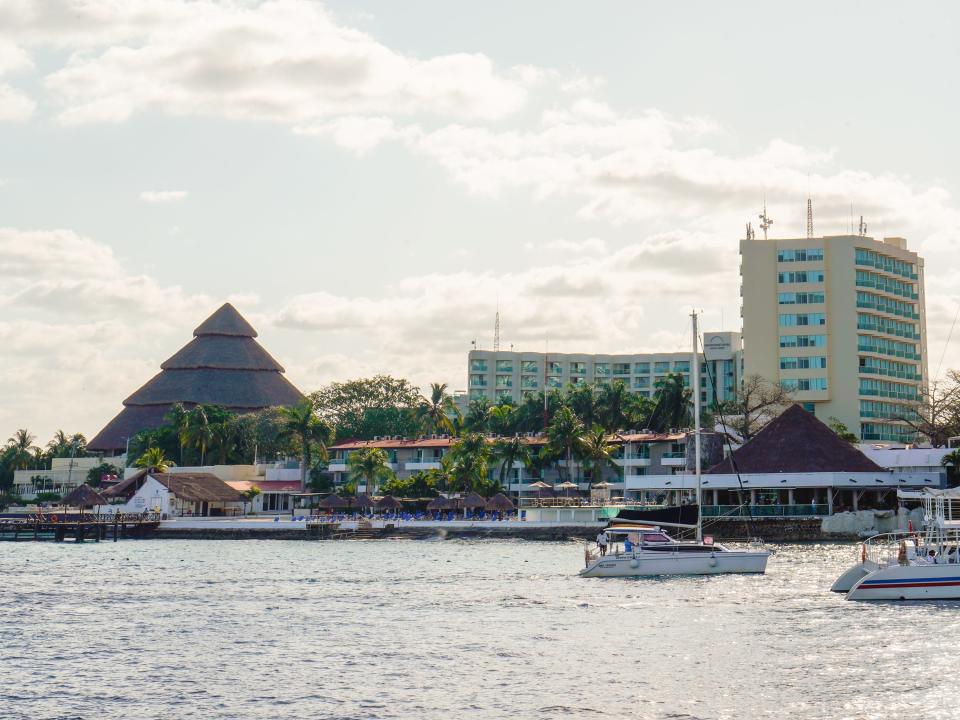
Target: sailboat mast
(695, 382)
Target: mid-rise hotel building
(839, 321)
(508, 375)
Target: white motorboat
(648, 551)
(909, 565)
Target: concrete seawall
(768, 529)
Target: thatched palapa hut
(222, 365)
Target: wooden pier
(78, 528)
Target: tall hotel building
(512, 375)
(840, 321)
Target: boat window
(655, 537)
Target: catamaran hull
(678, 564)
(909, 582)
(852, 576)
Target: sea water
(451, 629)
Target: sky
(368, 181)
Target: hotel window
(800, 255)
(478, 366)
(791, 298)
(681, 366)
(804, 384)
(528, 382)
(601, 368)
(553, 382)
(621, 368)
(800, 276)
(661, 367)
(641, 382)
(479, 381)
(504, 366)
(529, 366)
(791, 319)
(504, 381)
(789, 341)
(641, 368)
(554, 368)
(578, 368)
(577, 380)
(803, 363)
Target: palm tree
(501, 419)
(565, 435)
(198, 431)
(178, 418)
(597, 453)
(584, 400)
(510, 451)
(369, 465)
(673, 404)
(300, 422)
(59, 446)
(469, 462)
(613, 400)
(222, 440)
(478, 415)
(153, 459)
(22, 446)
(438, 413)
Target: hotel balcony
(422, 464)
(337, 466)
(674, 459)
(633, 460)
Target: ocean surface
(451, 629)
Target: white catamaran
(647, 550)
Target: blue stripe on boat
(893, 581)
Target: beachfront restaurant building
(176, 495)
(794, 467)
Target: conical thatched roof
(332, 502)
(473, 500)
(499, 502)
(388, 502)
(84, 496)
(222, 365)
(796, 442)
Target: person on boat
(602, 542)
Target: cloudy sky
(365, 180)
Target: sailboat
(647, 549)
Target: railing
(674, 455)
(757, 511)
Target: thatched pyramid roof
(84, 496)
(222, 365)
(796, 442)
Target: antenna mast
(496, 331)
(765, 221)
(809, 218)
(863, 227)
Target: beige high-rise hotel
(839, 320)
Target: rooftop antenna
(496, 330)
(809, 218)
(765, 221)
(863, 227)
(750, 233)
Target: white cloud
(286, 61)
(15, 105)
(163, 196)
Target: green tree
(842, 431)
(301, 422)
(613, 404)
(364, 408)
(249, 495)
(597, 453)
(565, 437)
(438, 414)
(420, 484)
(222, 440)
(178, 419)
(198, 431)
(153, 459)
(59, 446)
(502, 419)
(369, 465)
(584, 400)
(674, 404)
(509, 451)
(23, 448)
(95, 474)
(469, 460)
(478, 415)
(951, 461)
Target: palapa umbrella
(566, 485)
(440, 503)
(389, 502)
(362, 501)
(472, 500)
(499, 503)
(541, 485)
(601, 485)
(84, 496)
(333, 502)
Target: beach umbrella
(440, 503)
(541, 485)
(499, 503)
(566, 485)
(389, 502)
(472, 500)
(601, 485)
(363, 501)
(332, 502)
(84, 496)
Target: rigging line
(936, 375)
(726, 437)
